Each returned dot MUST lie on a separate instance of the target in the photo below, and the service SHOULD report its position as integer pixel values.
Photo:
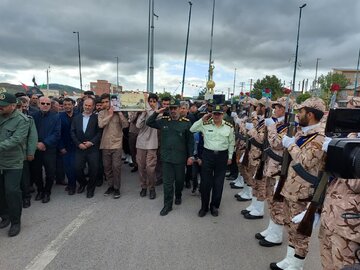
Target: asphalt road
(73, 232)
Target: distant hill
(13, 88)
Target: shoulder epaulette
(184, 119)
(229, 124)
(165, 117)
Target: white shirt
(86, 119)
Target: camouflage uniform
(296, 191)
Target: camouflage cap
(314, 103)
(253, 101)
(217, 109)
(355, 101)
(282, 101)
(263, 101)
(7, 99)
(174, 103)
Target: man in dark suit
(86, 135)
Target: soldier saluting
(176, 149)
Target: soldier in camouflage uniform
(176, 149)
(276, 128)
(339, 237)
(257, 133)
(305, 149)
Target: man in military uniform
(14, 128)
(306, 151)
(276, 129)
(219, 142)
(176, 149)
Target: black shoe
(132, 165)
(165, 211)
(71, 191)
(244, 212)
(26, 203)
(259, 236)
(235, 187)
(4, 222)
(159, 182)
(187, 185)
(193, 191)
(61, 183)
(202, 213)
(265, 243)
(177, 201)
(109, 191)
(249, 216)
(231, 178)
(214, 211)
(39, 196)
(241, 199)
(31, 189)
(135, 169)
(237, 195)
(81, 189)
(116, 194)
(46, 198)
(14, 230)
(273, 266)
(143, 192)
(99, 183)
(152, 194)
(90, 194)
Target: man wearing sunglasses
(219, 142)
(48, 126)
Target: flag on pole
(24, 86)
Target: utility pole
(186, 51)
(117, 73)
(234, 81)
(211, 39)
(251, 84)
(316, 70)
(47, 78)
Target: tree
(326, 81)
(164, 94)
(271, 82)
(302, 97)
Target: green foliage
(271, 82)
(164, 94)
(326, 81)
(302, 97)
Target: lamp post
(186, 51)
(316, 70)
(78, 38)
(297, 47)
(117, 73)
(211, 40)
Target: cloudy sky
(257, 37)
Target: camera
(343, 154)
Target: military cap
(217, 109)
(227, 103)
(263, 101)
(282, 101)
(314, 103)
(7, 99)
(174, 103)
(211, 102)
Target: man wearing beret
(176, 149)
(14, 127)
(219, 142)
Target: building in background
(103, 86)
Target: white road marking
(49, 253)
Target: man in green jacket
(14, 128)
(176, 149)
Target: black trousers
(48, 160)
(60, 171)
(25, 181)
(89, 157)
(212, 177)
(234, 170)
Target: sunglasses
(44, 103)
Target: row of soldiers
(263, 144)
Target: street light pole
(78, 38)
(297, 48)
(357, 74)
(234, 81)
(316, 70)
(117, 73)
(211, 40)
(186, 51)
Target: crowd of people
(181, 144)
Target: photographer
(339, 237)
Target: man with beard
(14, 127)
(305, 149)
(176, 148)
(66, 145)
